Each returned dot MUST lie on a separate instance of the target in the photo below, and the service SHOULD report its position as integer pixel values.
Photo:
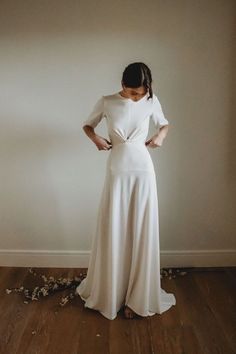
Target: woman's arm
(161, 124)
(89, 131)
(157, 139)
(163, 132)
(100, 142)
(92, 121)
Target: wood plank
(219, 295)
(196, 312)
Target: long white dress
(124, 265)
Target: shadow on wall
(231, 168)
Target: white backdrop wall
(57, 58)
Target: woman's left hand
(155, 141)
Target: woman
(124, 266)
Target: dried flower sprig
(171, 273)
(52, 285)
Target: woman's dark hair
(138, 74)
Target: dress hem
(164, 307)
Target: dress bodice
(127, 127)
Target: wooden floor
(203, 321)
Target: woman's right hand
(102, 143)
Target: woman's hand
(155, 141)
(102, 143)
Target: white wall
(57, 58)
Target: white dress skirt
(124, 265)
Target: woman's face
(134, 93)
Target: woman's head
(137, 80)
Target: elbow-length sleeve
(96, 114)
(157, 115)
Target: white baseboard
(199, 258)
(80, 259)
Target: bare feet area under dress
(124, 264)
